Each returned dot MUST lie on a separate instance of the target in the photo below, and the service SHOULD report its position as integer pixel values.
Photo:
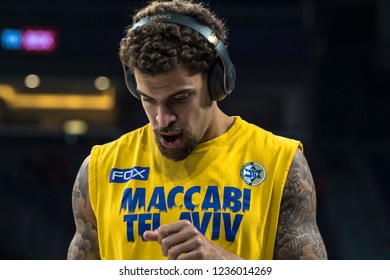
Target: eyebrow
(181, 91)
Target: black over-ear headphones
(222, 74)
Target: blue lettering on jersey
(224, 211)
(146, 222)
(124, 175)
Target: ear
(130, 81)
(215, 82)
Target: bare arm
(84, 244)
(298, 236)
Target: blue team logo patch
(253, 173)
(124, 175)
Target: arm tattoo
(85, 241)
(298, 236)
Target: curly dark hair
(158, 47)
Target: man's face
(179, 109)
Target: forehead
(168, 83)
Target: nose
(165, 116)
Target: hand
(182, 241)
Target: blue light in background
(11, 39)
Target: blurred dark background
(317, 71)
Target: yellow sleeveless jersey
(230, 188)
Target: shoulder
(81, 182)
(84, 244)
(299, 186)
(298, 236)
(299, 175)
(138, 134)
(124, 143)
(269, 138)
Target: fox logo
(125, 175)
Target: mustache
(168, 129)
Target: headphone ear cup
(131, 83)
(215, 82)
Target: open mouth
(170, 141)
(170, 138)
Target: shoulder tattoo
(85, 242)
(298, 236)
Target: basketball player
(194, 183)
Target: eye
(181, 98)
(148, 99)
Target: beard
(188, 142)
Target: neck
(220, 124)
